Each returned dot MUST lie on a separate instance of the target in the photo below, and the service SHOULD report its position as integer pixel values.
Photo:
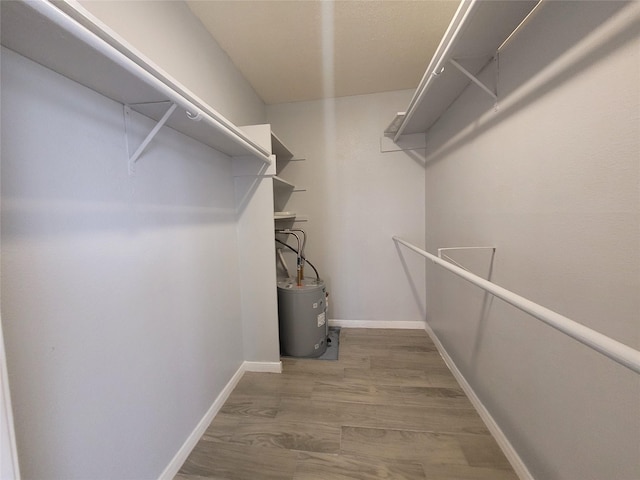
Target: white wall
(357, 198)
(120, 295)
(121, 300)
(170, 35)
(9, 467)
(551, 180)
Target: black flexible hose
(296, 252)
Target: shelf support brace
(451, 260)
(134, 158)
(474, 79)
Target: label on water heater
(321, 319)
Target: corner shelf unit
(282, 189)
(67, 39)
(476, 32)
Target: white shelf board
(279, 149)
(77, 45)
(281, 183)
(290, 216)
(476, 32)
(284, 215)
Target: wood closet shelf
(67, 39)
(472, 39)
(282, 189)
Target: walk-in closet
(320, 239)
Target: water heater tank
(302, 313)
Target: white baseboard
(266, 367)
(410, 325)
(514, 459)
(180, 457)
(182, 454)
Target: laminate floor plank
(388, 408)
(441, 377)
(389, 376)
(483, 451)
(385, 341)
(341, 390)
(402, 377)
(406, 360)
(248, 406)
(402, 445)
(180, 476)
(435, 397)
(330, 412)
(239, 462)
(464, 472)
(273, 385)
(428, 419)
(344, 467)
(222, 428)
(287, 435)
(315, 369)
(384, 349)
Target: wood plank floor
(387, 409)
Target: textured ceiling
(307, 50)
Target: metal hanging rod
(616, 351)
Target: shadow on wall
(245, 190)
(412, 284)
(485, 311)
(548, 69)
(480, 265)
(412, 145)
(418, 156)
(65, 168)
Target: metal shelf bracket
(134, 158)
(474, 79)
